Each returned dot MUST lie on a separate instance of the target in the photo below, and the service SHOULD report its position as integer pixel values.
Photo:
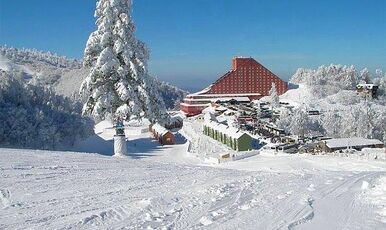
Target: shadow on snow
(136, 148)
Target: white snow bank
(366, 154)
(376, 196)
(89, 191)
(297, 96)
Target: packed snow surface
(162, 187)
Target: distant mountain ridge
(64, 75)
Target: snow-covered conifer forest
(32, 116)
(332, 90)
(55, 80)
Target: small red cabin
(164, 136)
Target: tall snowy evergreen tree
(119, 84)
(350, 119)
(366, 120)
(365, 76)
(274, 97)
(380, 80)
(300, 122)
(331, 122)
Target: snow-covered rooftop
(227, 99)
(209, 109)
(367, 86)
(209, 117)
(350, 142)
(159, 129)
(221, 108)
(202, 91)
(177, 117)
(194, 105)
(227, 130)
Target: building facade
(233, 138)
(247, 78)
(367, 90)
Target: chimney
(238, 62)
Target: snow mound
(376, 195)
(297, 96)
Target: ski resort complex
(246, 81)
(98, 142)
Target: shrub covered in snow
(34, 117)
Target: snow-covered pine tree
(284, 121)
(301, 76)
(379, 73)
(350, 119)
(119, 84)
(349, 78)
(331, 122)
(380, 81)
(366, 120)
(274, 97)
(300, 122)
(365, 76)
(156, 109)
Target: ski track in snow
(62, 190)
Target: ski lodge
(247, 80)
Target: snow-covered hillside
(37, 66)
(342, 111)
(32, 116)
(62, 74)
(163, 187)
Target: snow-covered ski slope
(55, 190)
(161, 187)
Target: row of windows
(248, 80)
(255, 68)
(245, 88)
(254, 75)
(241, 83)
(248, 87)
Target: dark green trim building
(232, 137)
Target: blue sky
(193, 42)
